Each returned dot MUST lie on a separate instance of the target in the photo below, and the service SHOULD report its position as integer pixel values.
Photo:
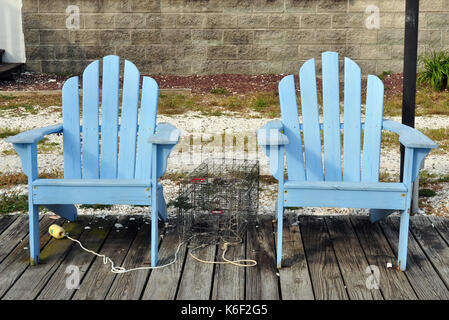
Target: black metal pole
(410, 61)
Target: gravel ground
(197, 130)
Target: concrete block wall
(224, 36)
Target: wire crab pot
(217, 201)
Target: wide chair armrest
(408, 136)
(271, 134)
(165, 133)
(35, 135)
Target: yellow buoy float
(56, 231)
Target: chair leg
(280, 215)
(403, 240)
(33, 214)
(154, 228)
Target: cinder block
(146, 5)
(313, 21)
(237, 36)
(40, 52)
(191, 20)
(158, 53)
(175, 36)
(300, 36)
(54, 36)
(177, 67)
(221, 52)
(207, 36)
(289, 52)
(267, 67)
(332, 6)
(337, 36)
(129, 21)
(133, 53)
(301, 6)
(272, 37)
(191, 52)
(146, 36)
(268, 6)
(361, 36)
(214, 20)
(69, 52)
(375, 51)
(98, 21)
(391, 36)
(237, 66)
(249, 21)
(207, 67)
(33, 66)
(114, 37)
(390, 65)
(277, 21)
(31, 36)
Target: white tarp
(11, 33)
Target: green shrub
(426, 193)
(13, 203)
(435, 70)
(219, 90)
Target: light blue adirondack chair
(351, 180)
(133, 153)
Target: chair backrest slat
(311, 122)
(356, 165)
(352, 122)
(90, 140)
(373, 129)
(147, 124)
(290, 119)
(331, 117)
(128, 124)
(71, 129)
(125, 153)
(109, 117)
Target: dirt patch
(226, 83)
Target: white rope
(239, 263)
(115, 269)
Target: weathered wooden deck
(324, 258)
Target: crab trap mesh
(218, 200)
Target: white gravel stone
(196, 130)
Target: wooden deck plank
(13, 235)
(393, 284)
(229, 280)
(326, 277)
(435, 248)
(335, 251)
(351, 259)
(92, 239)
(442, 226)
(35, 278)
(422, 276)
(163, 283)
(6, 221)
(261, 280)
(295, 280)
(99, 278)
(129, 286)
(196, 281)
(18, 261)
